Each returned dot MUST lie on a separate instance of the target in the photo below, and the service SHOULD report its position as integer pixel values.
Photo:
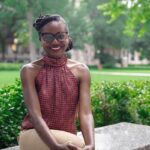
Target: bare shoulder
(76, 64)
(80, 68)
(31, 68)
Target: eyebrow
(53, 33)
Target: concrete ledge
(12, 148)
(121, 136)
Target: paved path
(123, 74)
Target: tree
(79, 24)
(8, 18)
(21, 15)
(137, 24)
(142, 45)
(138, 13)
(105, 36)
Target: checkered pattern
(58, 92)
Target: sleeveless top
(58, 93)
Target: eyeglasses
(49, 37)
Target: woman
(56, 89)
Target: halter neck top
(58, 93)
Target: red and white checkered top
(58, 92)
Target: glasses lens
(48, 37)
(61, 36)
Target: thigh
(30, 140)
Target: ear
(70, 44)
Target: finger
(73, 147)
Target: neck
(55, 56)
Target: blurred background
(108, 35)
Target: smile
(55, 48)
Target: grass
(100, 77)
(8, 77)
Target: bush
(12, 111)
(112, 102)
(115, 102)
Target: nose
(55, 41)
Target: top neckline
(55, 62)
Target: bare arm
(85, 114)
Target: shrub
(112, 102)
(12, 111)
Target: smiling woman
(56, 91)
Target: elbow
(35, 117)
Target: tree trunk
(3, 48)
(32, 48)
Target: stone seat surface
(121, 136)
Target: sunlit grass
(8, 77)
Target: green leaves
(12, 112)
(113, 9)
(114, 102)
(137, 13)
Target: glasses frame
(54, 36)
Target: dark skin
(57, 49)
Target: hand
(73, 147)
(88, 147)
(66, 146)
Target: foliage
(18, 18)
(137, 11)
(105, 36)
(80, 25)
(12, 111)
(115, 102)
(112, 102)
(142, 45)
(136, 16)
(107, 60)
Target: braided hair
(44, 19)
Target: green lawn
(101, 77)
(8, 77)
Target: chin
(55, 55)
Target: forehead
(54, 27)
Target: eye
(48, 37)
(61, 36)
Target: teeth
(55, 48)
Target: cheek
(45, 46)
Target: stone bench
(121, 136)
